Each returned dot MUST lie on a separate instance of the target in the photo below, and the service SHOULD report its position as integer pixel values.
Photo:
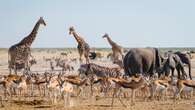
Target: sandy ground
(90, 103)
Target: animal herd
(148, 72)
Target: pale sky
(131, 23)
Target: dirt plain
(85, 103)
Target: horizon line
(97, 47)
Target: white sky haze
(131, 23)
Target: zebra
(100, 71)
(97, 74)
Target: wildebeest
(142, 61)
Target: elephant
(170, 64)
(144, 61)
(185, 58)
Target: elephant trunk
(189, 66)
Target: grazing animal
(32, 61)
(78, 82)
(185, 58)
(54, 86)
(100, 71)
(94, 55)
(9, 83)
(64, 65)
(57, 86)
(117, 50)
(135, 84)
(18, 54)
(142, 61)
(40, 82)
(181, 84)
(20, 85)
(83, 47)
(67, 90)
(52, 65)
(92, 69)
(64, 54)
(110, 56)
(47, 59)
(171, 63)
(160, 85)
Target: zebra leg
(80, 54)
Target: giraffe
(19, 54)
(83, 47)
(116, 49)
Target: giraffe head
(41, 21)
(105, 35)
(71, 30)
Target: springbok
(134, 84)
(160, 86)
(20, 85)
(181, 84)
(7, 83)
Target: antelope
(13, 82)
(181, 84)
(66, 89)
(53, 85)
(58, 86)
(135, 84)
(40, 82)
(159, 86)
(20, 85)
(7, 83)
(78, 82)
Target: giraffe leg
(87, 57)
(80, 54)
(80, 58)
(114, 57)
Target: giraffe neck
(110, 41)
(78, 39)
(31, 37)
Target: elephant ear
(158, 58)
